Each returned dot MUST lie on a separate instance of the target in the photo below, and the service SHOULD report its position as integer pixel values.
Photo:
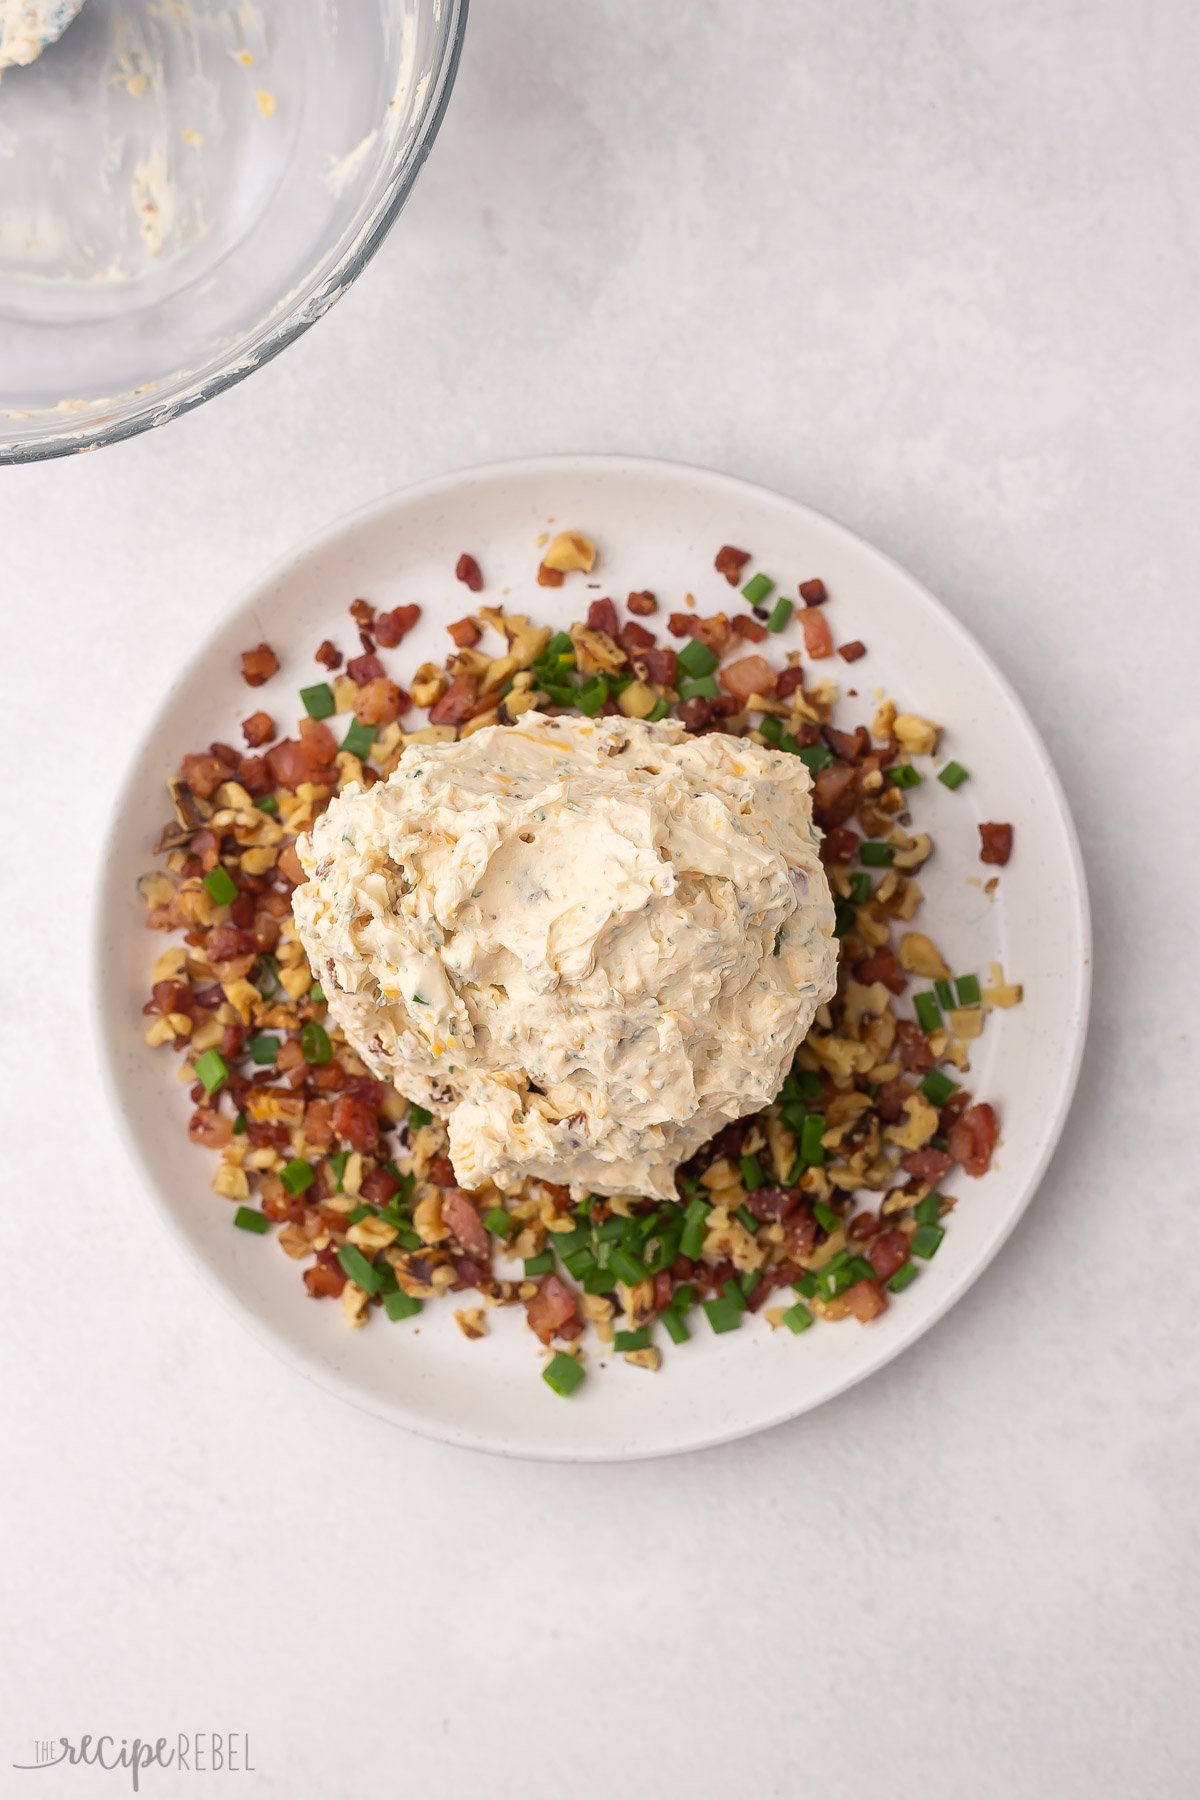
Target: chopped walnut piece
(568, 551)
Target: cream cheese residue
(587, 944)
(27, 26)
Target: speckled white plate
(658, 525)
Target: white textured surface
(932, 268)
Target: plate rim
(331, 1379)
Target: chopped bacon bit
(324, 1280)
(328, 654)
(813, 593)
(662, 1290)
(927, 1164)
(391, 627)
(818, 639)
(680, 624)
(835, 793)
(258, 729)
(658, 666)
(862, 1226)
(716, 633)
(460, 1214)
(866, 1300)
(851, 746)
(750, 629)
(318, 1130)
(211, 1129)
(467, 569)
(552, 1307)
(852, 651)
(695, 714)
(888, 1252)
(800, 1233)
(465, 633)
(730, 562)
(642, 602)
(996, 842)
(633, 636)
(602, 616)
(355, 1122)
(789, 680)
(253, 775)
(456, 703)
(882, 965)
(364, 668)
(767, 1203)
(258, 665)
(972, 1138)
(441, 1171)
(203, 774)
(306, 759)
(380, 701)
(889, 1101)
(226, 943)
(363, 613)
(547, 577)
(750, 675)
(841, 844)
(913, 1047)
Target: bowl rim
(310, 306)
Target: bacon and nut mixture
(825, 1206)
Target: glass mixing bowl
(186, 185)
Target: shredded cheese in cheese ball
(587, 944)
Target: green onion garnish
(418, 1116)
(806, 1284)
(798, 1318)
(264, 1048)
(780, 614)
(695, 1228)
(358, 1268)
(938, 1087)
(498, 1222)
(844, 918)
(361, 1212)
(600, 1281)
(876, 856)
(925, 1240)
(967, 987)
(400, 1305)
(904, 1274)
(811, 1147)
(926, 1008)
(246, 1219)
(752, 1173)
(337, 1163)
(684, 1297)
(860, 888)
(318, 701)
(563, 1374)
(757, 589)
(658, 711)
(359, 738)
(315, 1046)
(239, 1125)
(904, 776)
(929, 1210)
(268, 804)
(815, 757)
(221, 886)
(696, 658)
(808, 1082)
(826, 1218)
(702, 688)
(723, 1315)
(610, 1229)
(953, 775)
(746, 1220)
(540, 1265)
(592, 695)
(316, 991)
(297, 1175)
(674, 1326)
(626, 1267)
(211, 1070)
(625, 1341)
(771, 729)
(944, 992)
(580, 1263)
(560, 644)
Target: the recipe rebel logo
(193, 1753)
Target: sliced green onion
(735, 1294)
(211, 1070)
(826, 1218)
(967, 987)
(610, 1229)
(925, 1241)
(592, 695)
(811, 1147)
(658, 711)
(408, 1239)
(747, 1220)
(752, 1173)
(860, 1269)
(561, 644)
(579, 1263)
(938, 1087)
(696, 658)
(780, 614)
(674, 1326)
(359, 738)
(757, 589)
(904, 1274)
(420, 1000)
(684, 1297)
(318, 701)
(419, 1116)
(315, 1046)
(844, 918)
(929, 1210)
(386, 1276)
(808, 1082)
(926, 1008)
(798, 1318)
(268, 804)
(749, 1282)
(876, 855)
(723, 1315)
(360, 1271)
(944, 992)
(626, 1267)
(498, 1222)
(600, 1281)
(400, 1305)
(695, 1229)
(815, 757)
(316, 991)
(540, 1265)
(953, 775)
(264, 1048)
(246, 1219)
(860, 887)
(221, 886)
(625, 1341)
(806, 1284)
(239, 1125)
(904, 776)
(297, 1175)
(361, 1212)
(703, 688)
(337, 1163)
(563, 1374)
(771, 729)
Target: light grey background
(932, 268)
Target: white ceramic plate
(658, 525)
